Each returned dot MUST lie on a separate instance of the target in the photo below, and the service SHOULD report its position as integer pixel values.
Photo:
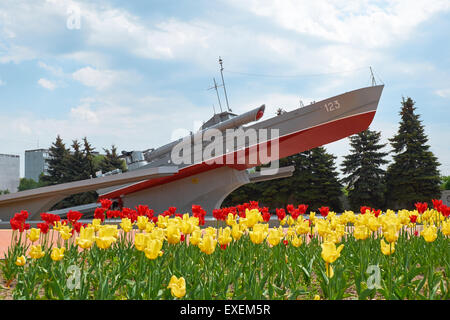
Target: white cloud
(363, 23)
(47, 84)
(444, 93)
(99, 79)
(15, 54)
(2, 83)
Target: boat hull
(299, 130)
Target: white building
(36, 163)
(9, 172)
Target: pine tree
(78, 169)
(365, 179)
(57, 163)
(314, 182)
(413, 176)
(324, 188)
(111, 161)
(88, 159)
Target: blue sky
(136, 73)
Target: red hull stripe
(288, 145)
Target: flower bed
(371, 254)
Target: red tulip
(74, 216)
(421, 207)
(413, 218)
(106, 203)
(44, 227)
(99, 213)
(324, 211)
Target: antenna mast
(217, 92)
(373, 77)
(223, 83)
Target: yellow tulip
(126, 225)
(195, 237)
(296, 241)
(33, 235)
(153, 249)
(302, 226)
(316, 297)
(329, 270)
(252, 217)
(290, 221)
(231, 219)
(207, 244)
(329, 251)
(36, 252)
(177, 287)
(140, 241)
(374, 224)
(57, 253)
(236, 232)
(173, 234)
(323, 227)
(104, 242)
(187, 227)
(162, 221)
(58, 225)
(65, 232)
(429, 233)
(387, 248)
(142, 222)
(348, 217)
(149, 227)
(224, 237)
(275, 236)
(391, 232)
(86, 237)
(108, 230)
(446, 228)
(210, 231)
(361, 232)
(259, 233)
(157, 233)
(96, 223)
(20, 261)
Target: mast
(374, 83)
(217, 92)
(223, 83)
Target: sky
(136, 73)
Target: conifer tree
(365, 178)
(57, 163)
(314, 182)
(88, 159)
(413, 176)
(111, 161)
(324, 188)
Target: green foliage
(413, 176)
(27, 184)
(314, 182)
(362, 166)
(57, 163)
(445, 185)
(111, 161)
(6, 191)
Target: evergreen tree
(365, 179)
(413, 176)
(78, 167)
(111, 161)
(324, 188)
(88, 159)
(314, 182)
(57, 163)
